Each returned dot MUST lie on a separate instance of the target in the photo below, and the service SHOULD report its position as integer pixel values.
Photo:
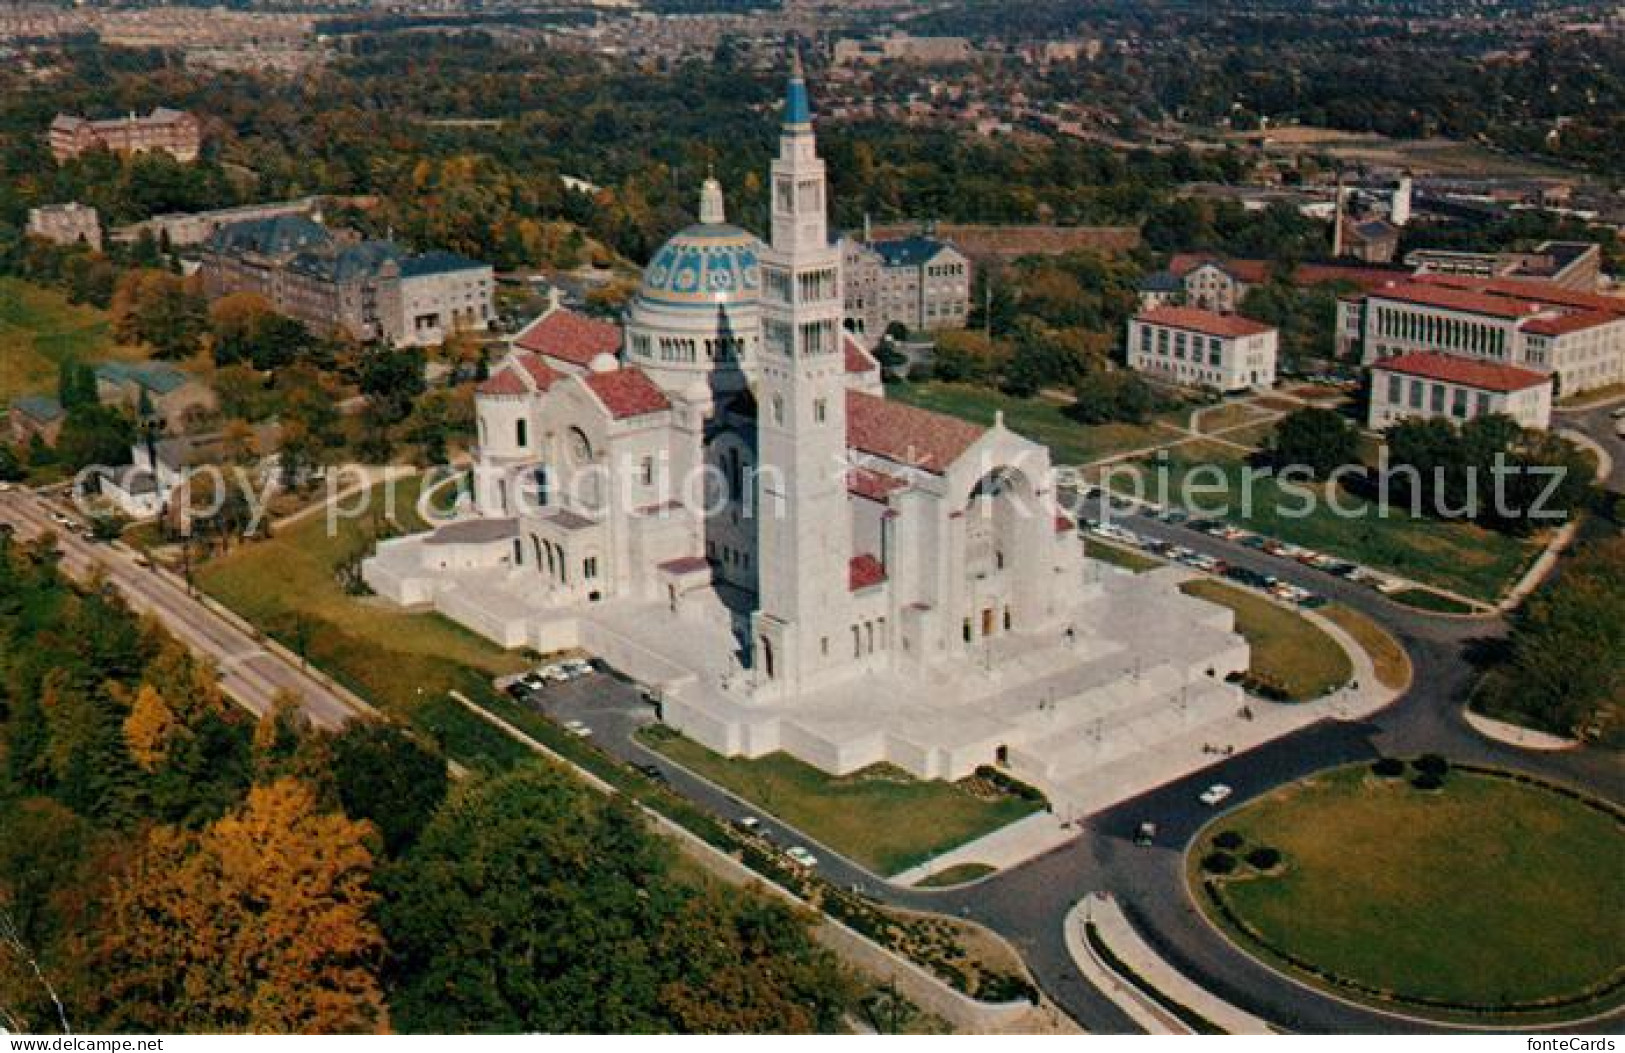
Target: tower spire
(711, 207)
(797, 106)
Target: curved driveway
(1026, 904)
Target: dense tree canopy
(532, 904)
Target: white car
(577, 728)
(576, 668)
(1215, 795)
(801, 857)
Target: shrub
(1219, 863)
(1010, 785)
(1388, 768)
(1431, 764)
(1428, 781)
(1229, 840)
(1264, 858)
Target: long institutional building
(1561, 340)
(1197, 348)
(369, 290)
(164, 130)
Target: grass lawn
(1287, 649)
(1117, 556)
(1040, 420)
(40, 330)
(1229, 415)
(402, 662)
(1392, 664)
(1428, 600)
(1213, 479)
(881, 817)
(958, 874)
(1489, 892)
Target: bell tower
(804, 525)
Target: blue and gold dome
(712, 262)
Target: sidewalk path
(1115, 931)
(1005, 847)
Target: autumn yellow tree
(258, 924)
(149, 728)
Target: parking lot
(600, 706)
(1254, 579)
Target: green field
(958, 874)
(1428, 600)
(402, 662)
(881, 817)
(1040, 420)
(1487, 893)
(1117, 556)
(39, 331)
(1286, 648)
(1388, 659)
(1212, 479)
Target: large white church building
(718, 498)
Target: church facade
(720, 499)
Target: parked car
(577, 728)
(1215, 795)
(1145, 834)
(1256, 541)
(652, 773)
(801, 857)
(749, 824)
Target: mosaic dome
(708, 263)
(711, 262)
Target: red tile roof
(876, 486)
(857, 359)
(685, 565)
(1366, 278)
(1569, 323)
(627, 393)
(1257, 272)
(570, 337)
(503, 382)
(1208, 322)
(1526, 289)
(864, 572)
(1486, 376)
(540, 372)
(1456, 298)
(907, 434)
(1252, 272)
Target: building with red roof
(727, 507)
(1198, 348)
(1575, 337)
(569, 341)
(1421, 384)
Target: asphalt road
(1026, 904)
(1598, 423)
(250, 673)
